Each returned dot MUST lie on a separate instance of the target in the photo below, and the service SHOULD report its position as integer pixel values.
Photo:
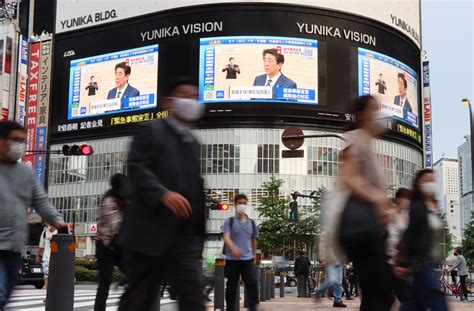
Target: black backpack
(231, 224)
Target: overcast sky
(447, 36)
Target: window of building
(220, 159)
(268, 159)
(323, 161)
(97, 167)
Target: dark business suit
(406, 107)
(282, 81)
(381, 85)
(130, 91)
(156, 242)
(232, 71)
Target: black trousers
(107, 259)
(373, 273)
(182, 266)
(233, 270)
(345, 286)
(454, 274)
(462, 281)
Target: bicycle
(455, 289)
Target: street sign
(292, 154)
(93, 228)
(289, 140)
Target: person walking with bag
(109, 223)
(421, 250)
(364, 216)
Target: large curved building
(325, 53)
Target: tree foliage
(468, 241)
(278, 234)
(274, 229)
(448, 238)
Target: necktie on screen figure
(118, 94)
(269, 83)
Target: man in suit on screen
(232, 69)
(402, 99)
(123, 89)
(272, 63)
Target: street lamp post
(468, 102)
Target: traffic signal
(294, 211)
(75, 150)
(220, 206)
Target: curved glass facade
(232, 161)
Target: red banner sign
(32, 104)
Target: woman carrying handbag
(362, 224)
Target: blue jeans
(9, 262)
(333, 278)
(424, 292)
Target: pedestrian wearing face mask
(363, 220)
(163, 230)
(19, 190)
(240, 247)
(421, 249)
(463, 273)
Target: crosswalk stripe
(22, 298)
(33, 301)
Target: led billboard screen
(250, 68)
(113, 83)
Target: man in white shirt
(122, 90)
(44, 253)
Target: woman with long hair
(362, 226)
(109, 222)
(421, 249)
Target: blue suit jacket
(282, 81)
(130, 91)
(406, 107)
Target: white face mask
(380, 122)
(187, 109)
(241, 209)
(17, 151)
(429, 189)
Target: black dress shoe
(338, 304)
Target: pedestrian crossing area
(32, 299)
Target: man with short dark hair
(92, 87)
(19, 190)
(122, 89)
(382, 86)
(232, 69)
(302, 265)
(164, 229)
(240, 245)
(272, 64)
(402, 99)
(461, 266)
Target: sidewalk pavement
(305, 304)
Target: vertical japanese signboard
(427, 129)
(7, 70)
(42, 118)
(22, 80)
(32, 104)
